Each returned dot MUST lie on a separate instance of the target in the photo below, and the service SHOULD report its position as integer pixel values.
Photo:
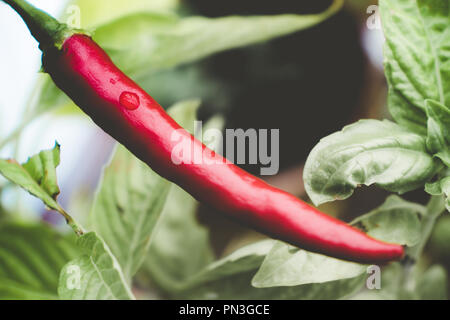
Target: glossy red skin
(88, 76)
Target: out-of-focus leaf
(438, 140)
(31, 257)
(432, 284)
(146, 42)
(95, 275)
(417, 57)
(395, 221)
(180, 240)
(130, 199)
(37, 175)
(289, 266)
(364, 153)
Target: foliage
(145, 229)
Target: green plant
(142, 240)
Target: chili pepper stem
(45, 29)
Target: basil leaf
(438, 140)
(396, 221)
(417, 58)
(286, 265)
(367, 152)
(95, 275)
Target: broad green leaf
(417, 57)
(31, 257)
(230, 278)
(94, 275)
(432, 284)
(289, 266)
(146, 42)
(396, 221)
(130, 199)
(439, 187)
(365, 153)
(180, 240)
(438, 140)
(37, 175)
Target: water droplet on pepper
(129, 100)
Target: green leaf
(155, 41)
(286, 265)
(230, 278)
(130, 200)
(37, 175)
(180, 240)
(438, 140)
(95, 275)
(433, 284)
(93, 13)
(395, 221)
(439, 187)
(365, 153)
(144, 43)
(417, 57)
(31, 257)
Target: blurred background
(308, 85)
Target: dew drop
(129, 100)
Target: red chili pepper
(120, 107)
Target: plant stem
(435, 207)
(46, 29)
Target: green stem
(435, 207)
(46, 29)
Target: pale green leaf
(95, 275)
(395, 221)
(130, 199)
(37, 175)
(289, 266)
(417, 57)
(31, 257)
(145, 42)
(438, 140)
(365, 153)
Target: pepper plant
(142, 234)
